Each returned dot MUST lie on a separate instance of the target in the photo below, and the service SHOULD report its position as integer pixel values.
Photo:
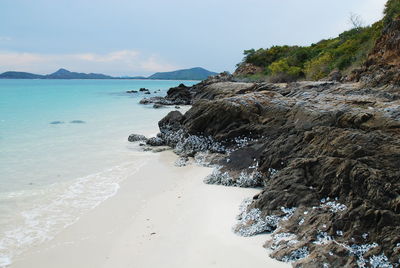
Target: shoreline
(160, 212)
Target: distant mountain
(197, 73)
(65, 74)
(20, 75)
(187, 74)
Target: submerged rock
(155, 141)
(136, 137)
(56, 122)
(77, 122)
(157, 106)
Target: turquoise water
(52, 173)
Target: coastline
(163, 215)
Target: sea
(64, 150)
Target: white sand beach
(162, 216)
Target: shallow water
(64, 150)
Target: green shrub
(392, 11)
(347, 51)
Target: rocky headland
(324, 154)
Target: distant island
(187, 74)
(196, 73)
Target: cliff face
(383, 65)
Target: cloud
(154, 64)
(122, 62)
(123, 55)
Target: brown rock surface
(329, 151)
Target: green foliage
(316, 61)
(282, 71)
(392, 11)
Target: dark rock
(156, 106)
(136, 137)
(179, 95)
(143, 89)
(171, 122)
(77, 122)
(304, 143)
(132, 91)
(147, 92)
(155, 141)
(57, 122)
(177, 107)
(335, 76)
(155, 100)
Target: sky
(140, 37)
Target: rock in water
(77, 122)
(136, 137)
(157, 106)
(155, 141)
(57, 122)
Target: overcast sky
(139, 37)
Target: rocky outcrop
(183, 95)
(136, 137)
(383, 65)
(327, 158)
(246, 69)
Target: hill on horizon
(185, 74)
(196, 73)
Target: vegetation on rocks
(344, 53)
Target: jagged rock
(159, 149)
(131, 91)
(383, 65)
(136, 137)
(183, 95)
(157, 106)
(155, 141)
(155, 100)
(77, 122)
(335, 75)
(310, 140)
(246, 69)
(179, 95)
(171, 122)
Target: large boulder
(136, 137)
(179, 95)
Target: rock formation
(326, 154)
(383, 65)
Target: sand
(162, 216)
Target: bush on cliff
(392, 11)
(347, 51)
